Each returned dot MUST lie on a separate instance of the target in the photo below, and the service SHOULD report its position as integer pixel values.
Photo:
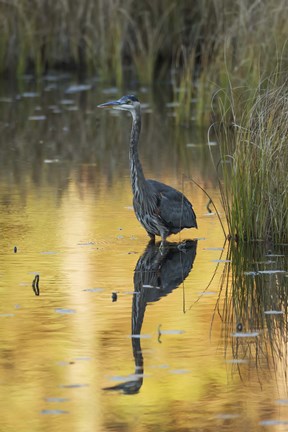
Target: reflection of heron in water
(161, 209)
(157, 274)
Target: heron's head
(125, 103)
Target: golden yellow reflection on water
(61, 348)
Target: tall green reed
(254, 160)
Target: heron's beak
(110, 104)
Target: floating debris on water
(114, 296)
(56, 399)
(15, 249)
(271, 271)
(91, 243)
(239, 327)
(37, 118)
(54, 412)
(51, 161)
(192, 145)
(260, 272)
(207, 293)
(29, 95)
(78, 88)
(273, 312)
(35, 285)
(273, 422)
(65, 311)
(67, 102)
(93, 289)
(221, 261)
(245, 335)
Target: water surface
(193, 338)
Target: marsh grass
(183, 86)
(109, 37)
(148, 31)
(254, 160)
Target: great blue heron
(161, 209)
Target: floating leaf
(245, 335)
(78, 88)
(56, 399)
(65, 311)
(54, 412)
(221, 261)
(93, 289)
(273, 422)
(273, 312)
(37, 118)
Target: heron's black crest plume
(161, 209)
(132, 98)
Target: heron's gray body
(161, 209)
(168, 213)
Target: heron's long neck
(136, 172)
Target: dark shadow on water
(253, 306)
(157, 273)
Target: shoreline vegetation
(226, 61)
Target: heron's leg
(163, 241)
(152, 237)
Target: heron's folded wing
(176, 210)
